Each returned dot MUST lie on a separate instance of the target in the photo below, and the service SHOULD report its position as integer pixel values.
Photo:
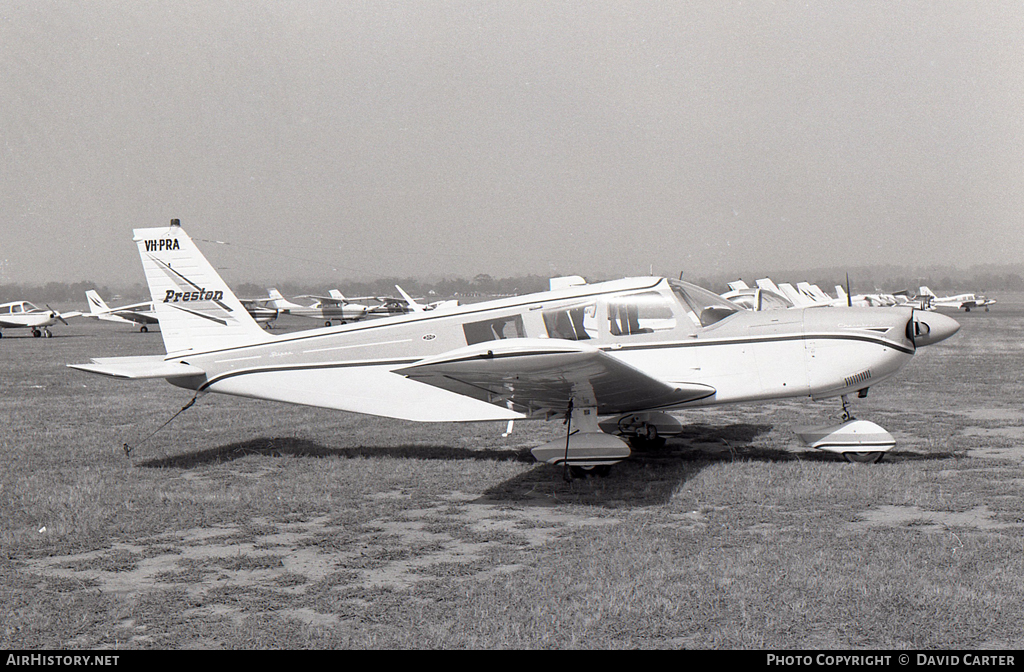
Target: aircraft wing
(110, 317)
(134, 316)
(144, 366)
(544, 374)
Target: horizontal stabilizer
(145, 366)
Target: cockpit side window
(574, 323)
(642, 313)
(706, 307)
(494, 330)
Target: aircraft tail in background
(97, 306)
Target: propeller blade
(849, 297)
(54, 313)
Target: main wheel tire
(600, 470)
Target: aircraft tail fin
(97, 306)
(336, 294)
(196, 309)
(766, 283)
(413, 306)
(278, 301)
(924, 291)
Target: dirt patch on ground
(979, 518)
(417, 545)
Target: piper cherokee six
(628, 350)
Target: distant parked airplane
(141, 313)
(24, 315)
(330, 309)
(963, 302)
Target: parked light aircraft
(330, 309)
(141, 314)
(25, 315)
(260, 311)
(963, 302)
(628, 349)
(755, 298)
(807, 295)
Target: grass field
(247, 524)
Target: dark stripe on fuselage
(764, 339)
(644, 346)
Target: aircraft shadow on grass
(296, 447)
(650, 476)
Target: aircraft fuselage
(745, 356)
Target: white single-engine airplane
(963, 302)
(24, 315)
(330, 309)
(629, 349)
(141, 314)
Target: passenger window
(494, 330)
(571, 324)
(642, 313)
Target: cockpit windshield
(707, 306)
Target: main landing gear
(585, 450)
(591, 448)
(644, 431)
(858, 441)
(41, 332)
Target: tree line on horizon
(983, 280)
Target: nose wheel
(858, 441)
(863, 457)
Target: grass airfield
(248, 524)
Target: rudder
(196, 309)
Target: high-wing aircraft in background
(629, 350)
(25, 315)
(964, 302)
(141, 313)
(260, 310)
(331, 309)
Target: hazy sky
(354, 139)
